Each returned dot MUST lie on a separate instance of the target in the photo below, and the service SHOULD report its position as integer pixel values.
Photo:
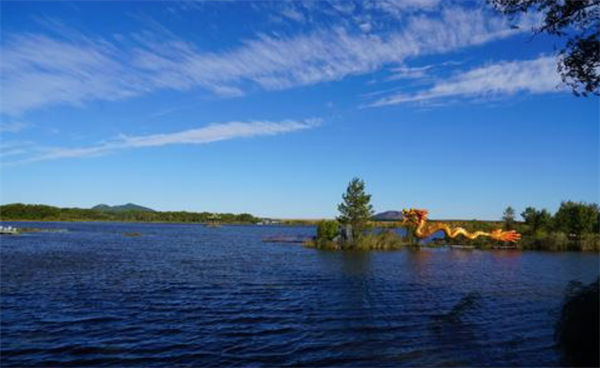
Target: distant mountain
(124, 207)
(388, 216)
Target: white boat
(9, 230)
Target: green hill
(388, 216)
(124, 207)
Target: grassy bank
(391, 241)
(385, 239)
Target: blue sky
(271, 107)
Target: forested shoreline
(38, 212)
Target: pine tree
(356, 209)
(509, 218)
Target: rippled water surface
(188, 295)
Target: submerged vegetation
(36, 212)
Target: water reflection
(356, 264)
(420, 260)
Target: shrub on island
(328, 230)
(329, 237)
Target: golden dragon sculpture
(423, 229)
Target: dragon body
(418, 218)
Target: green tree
(356, 209)
(544, 220)
(327, 230)
(529, 216)
(576, 218)
(246, 217)
(536, 220)
(579, 21)
(509, 218)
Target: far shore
(279, 222)
(135, 222)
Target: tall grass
(384, 240)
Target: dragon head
(414, 216)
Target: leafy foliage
(536, 220)
(579, 21)
(576, 218)
(327, 230)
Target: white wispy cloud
(211, 133)
(195, 5)
(12, 147)
(41, 70)
(220, 132)
(422, 73)
(400, 8)
(275, 63)
(499, 79)
(293, 14)
(404, 72)
(12, 126)
(37, 70)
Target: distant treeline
(575, 226)
(37, 212)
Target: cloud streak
(499, 79)
(37, 70)
(12, 126)
(215, 132)
(400, 8)
(275, 63)
(40, 70)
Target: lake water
(188, 295)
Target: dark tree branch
(579, 20)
